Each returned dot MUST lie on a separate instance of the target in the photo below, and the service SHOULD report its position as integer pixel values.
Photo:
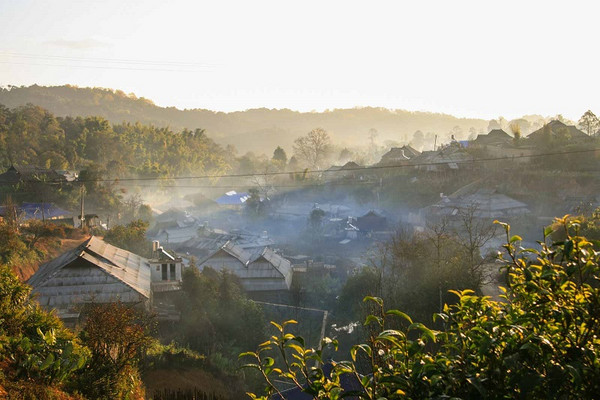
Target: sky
(479, 59)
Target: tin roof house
(263, 270)
(399, 155)
(485, 203)
(95, 271)
(556, 129)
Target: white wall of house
(165, 270)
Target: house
(208, 240)
(258, 271)
(350, 170)
(165, 270)
(499, 144)
(174, 227)
(399, 155)
(485, 203)
(372, 222)
(30, 173)
(95, 271)
(451, 157)
(555, 130)
(495, 137)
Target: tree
(515, 128)
(541, 341)
(117, 336)
(314, 148)
(589, 123)
(279, 156)
(131, 237)
(418, 139)
(316, 218)
(38, 354)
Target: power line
(104, 60)
(102, 63)
(374, 167)
(100, 67)
(318, 171)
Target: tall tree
(314, 148)
(589, 123)
(279, 155)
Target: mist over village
(293, 200)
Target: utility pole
(82, 215)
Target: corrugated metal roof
(263, 270)
(126, 267)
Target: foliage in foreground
(542, 341)
(38, 355)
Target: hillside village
(292, 241)
(285, 200)
(268, 252)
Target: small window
(172, 275)
(165, 277)
(157, 267)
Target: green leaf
(276, 325)
(377, 300)
(268, 362)
(371, 318)
(399, 314)
(363, 347)
(426, 331)
(47, 362)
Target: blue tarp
(233, 199)
(34, 211)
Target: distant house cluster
(18, 174)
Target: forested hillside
(252, 130)
(31, 135)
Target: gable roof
(282, 265)
(555, 128)
(400, 154)
(233, 250)
(493, 137)
(129, 268)
(487, 203)
(350, 165)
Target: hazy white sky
(467, 58)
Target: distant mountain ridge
(258, 130)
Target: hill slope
(259, 130)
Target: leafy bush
(542, 341)
(38, 355)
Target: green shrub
(541, 341)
